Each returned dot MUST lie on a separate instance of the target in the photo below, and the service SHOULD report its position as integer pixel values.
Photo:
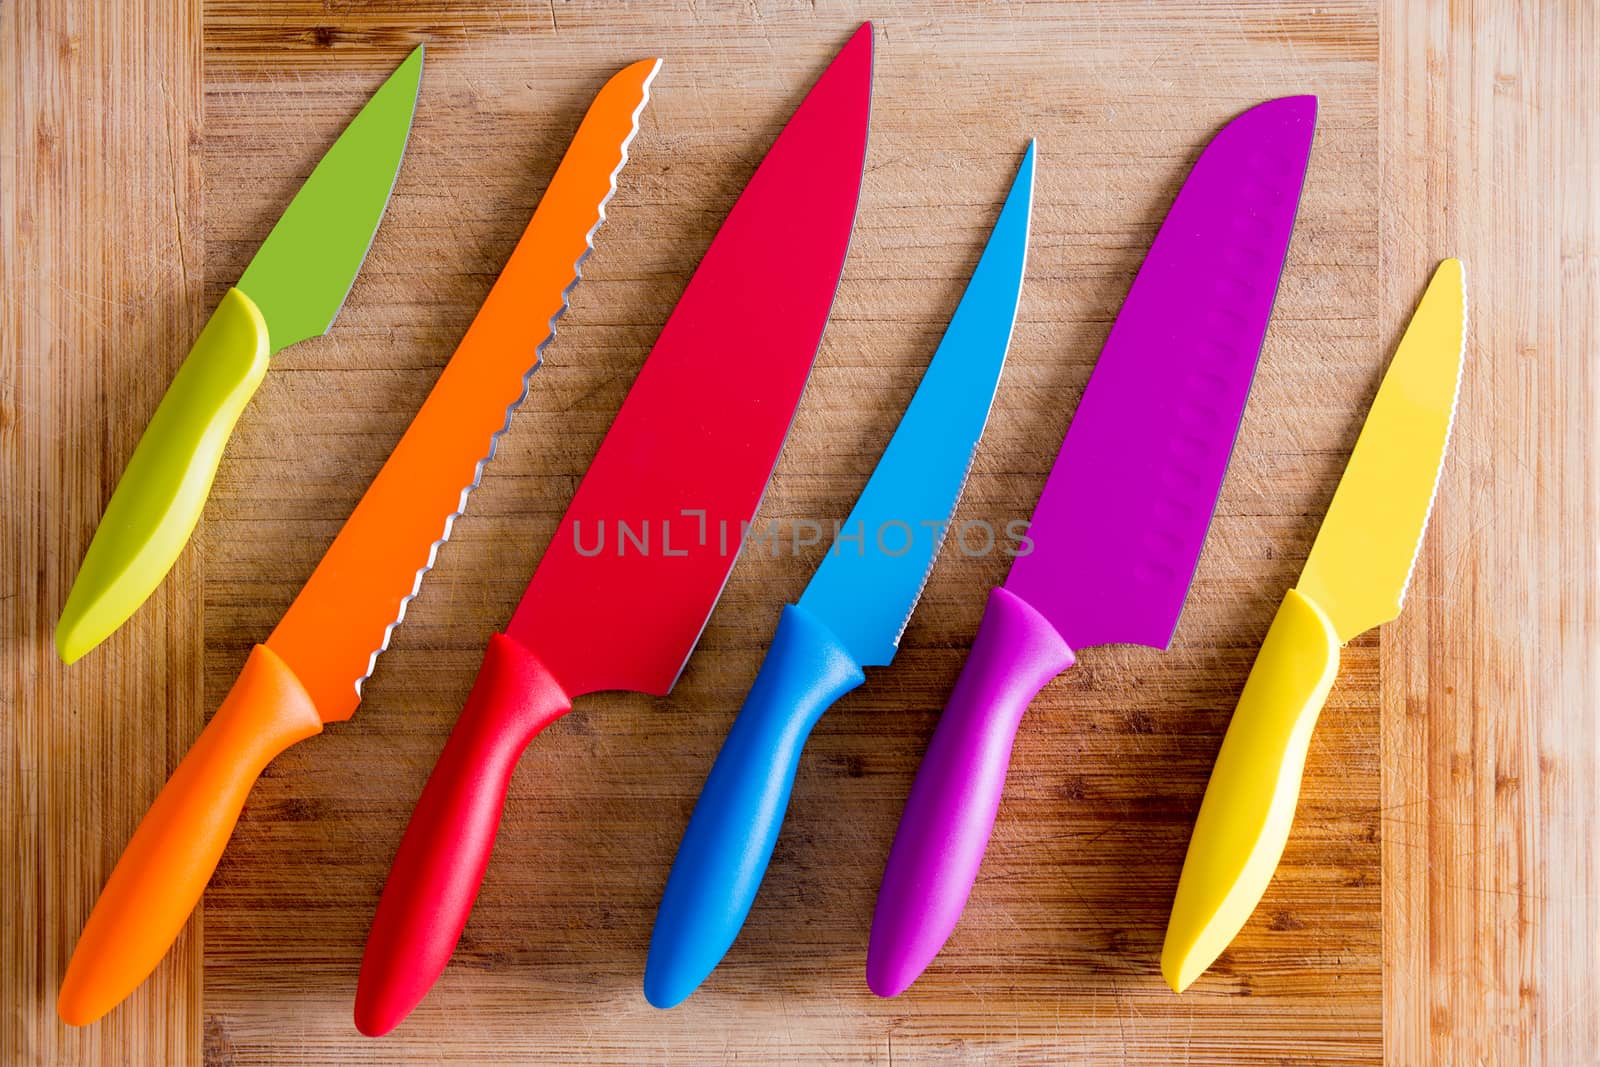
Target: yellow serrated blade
(1361, 563)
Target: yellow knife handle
(1249, 804)
(165, 868)
(158, 501)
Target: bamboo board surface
(1057, 953)
(102, 271)
(1056, 957)
(1491, 852)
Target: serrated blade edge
(345, 616)
(1449, 431)
(1364, 555)
(866, 593)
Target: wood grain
(1491, 759)
(100, 267)
(1468, 138)
(1057, 955)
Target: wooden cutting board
(1056, 956)
(1488, 680)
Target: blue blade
(866, 589)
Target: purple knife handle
(948, 817)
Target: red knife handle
(440, 864)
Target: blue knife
(851, 616)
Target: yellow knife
(1354, 580)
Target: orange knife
(311, 669)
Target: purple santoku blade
(1138, 477)
(1117, 533)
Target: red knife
(634, 569)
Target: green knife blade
(292, 290)
(303, 271)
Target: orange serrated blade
(311, 669)
(335, 629)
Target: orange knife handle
(158, 881)
(442, 858)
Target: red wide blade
(638, 561)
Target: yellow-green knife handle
(158, 501)
(1249, 804)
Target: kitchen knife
(639, 559)
(851, 616)
(1117, 532)
(1354, 579)
(311, 669)
(292, 290)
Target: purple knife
(1117, 533)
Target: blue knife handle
(725, 850)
